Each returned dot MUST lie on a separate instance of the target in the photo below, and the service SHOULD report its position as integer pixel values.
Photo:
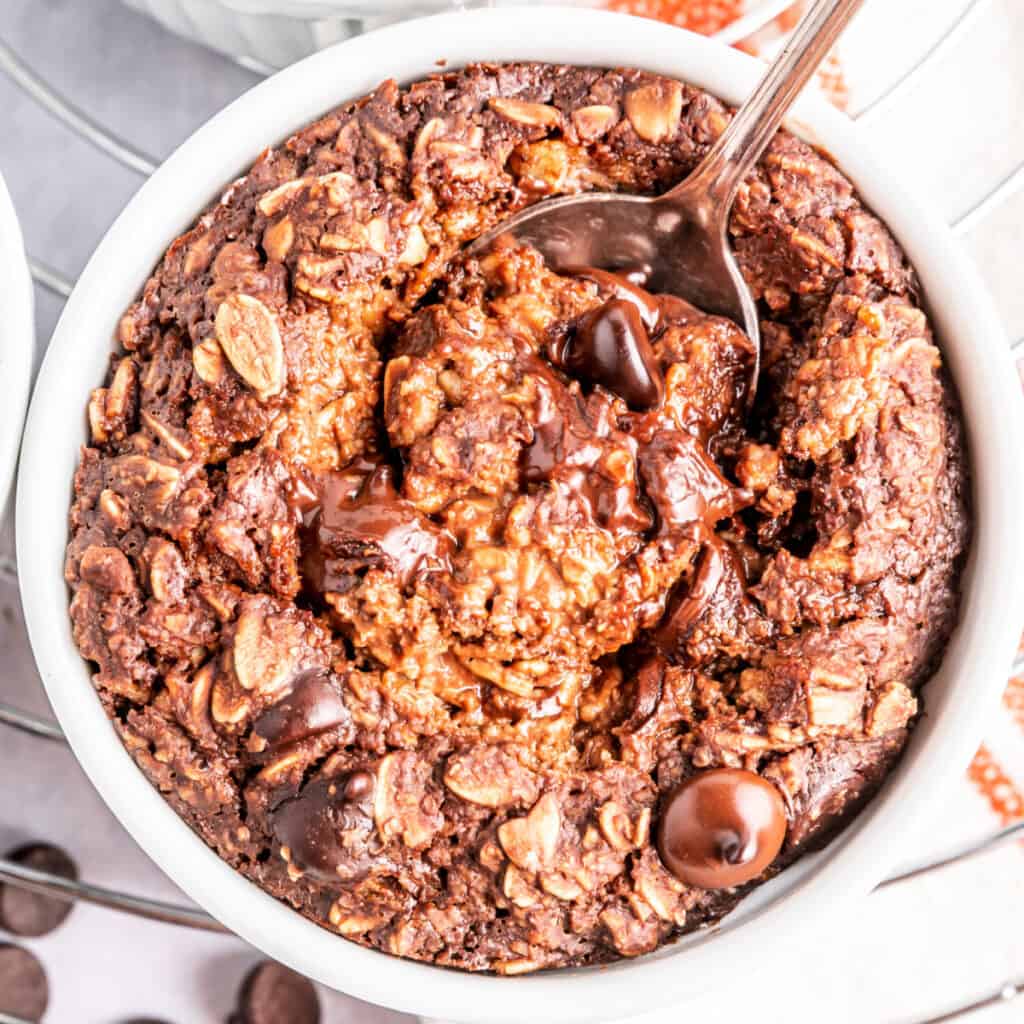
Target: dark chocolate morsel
(328, 828)
(359, 786)
(32, 914)
(24, 990)
(563, 446)
(272, 994)
(645, 693)
(610, 347)
(721, 828)
(313, 705)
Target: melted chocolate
(361, 523)
(328, 829)
(687, 606)
(566, 449)
(359, 786)
(685, 485)
(644, 693)
(721, 828)
(610, 347)
(628, 286)
(313, 705)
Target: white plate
(17, 340)
(804, 902)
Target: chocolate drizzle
(569, 449)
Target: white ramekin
(17, 340)
(804, 899)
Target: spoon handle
(733, 156)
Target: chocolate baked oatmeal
(465, 605)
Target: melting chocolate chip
(28, 913)
(684, 484)
(628, 285)
(362, 524)
(721, 828)
(328, 828)
(610, 347)
(272, 994)
(313, 705)
(24, 990)
(688, 602)
(568, 447)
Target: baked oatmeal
(466, 605)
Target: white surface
(917, 948)
(805, 899)
(17, 337)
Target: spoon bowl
(667, 246)
(680, 240)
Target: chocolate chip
(24, 991)
(272, 994)
(610, 347)
(29, 913)
(359, 785)
(644, 693)
(328, 831)
(721, 828)
(313, 705)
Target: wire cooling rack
(34, 83)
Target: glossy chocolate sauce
(610, 346)
(360, 522)
(566, 449)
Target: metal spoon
(681, 238)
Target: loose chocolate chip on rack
(610, 347)
(24, 990)
(272, 994)
(721, 828)
(29, 913)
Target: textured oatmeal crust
(419, 632)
